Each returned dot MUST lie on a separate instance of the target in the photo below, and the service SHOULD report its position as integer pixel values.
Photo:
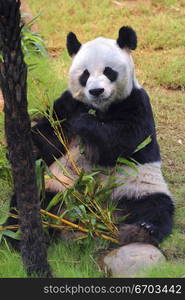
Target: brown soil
(25, 9)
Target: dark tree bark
(13, 75)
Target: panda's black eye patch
(110, 74)
(84, 77)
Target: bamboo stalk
(9, 227)
(65, 221)
(44, 212)
(54, 225)
(9, 214)
(63, 141)
(104, 236)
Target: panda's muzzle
(96, 92)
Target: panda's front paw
(82, 124)
(148, 227)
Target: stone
(131, 260)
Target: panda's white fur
(147, 179)
(95, 56)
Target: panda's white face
(101, 73)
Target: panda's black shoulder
(136, 104)
(138, 98)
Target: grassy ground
(160, 67)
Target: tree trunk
(13, 75)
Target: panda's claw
(142, 224)
(148, 227)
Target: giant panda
(102, 78)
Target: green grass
(43, 83)
(159, 62)
(69, 260)
(11, 265)
(65, 259)
(5, 188)
(166, 270)
(92, 18)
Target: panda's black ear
(73, 45)
(127, 38)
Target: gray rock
(131, 260)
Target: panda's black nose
(96, 92)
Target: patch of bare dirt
(54, 51)
(130, 3)
(25, 10)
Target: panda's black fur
(110, 133)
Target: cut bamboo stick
(76, 226)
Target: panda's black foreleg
(149, 219)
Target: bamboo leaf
(143, 144)
(93, 221)
(32, 21)
(132, 172)
(64, 170)
(39, 168)
(12, 234)
(1, 236)
(122, 218)
(54, 201)
(82, 208)
(127, 163)
(64, 213)
(102, 226)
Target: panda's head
(102, 70)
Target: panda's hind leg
(149, 219)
